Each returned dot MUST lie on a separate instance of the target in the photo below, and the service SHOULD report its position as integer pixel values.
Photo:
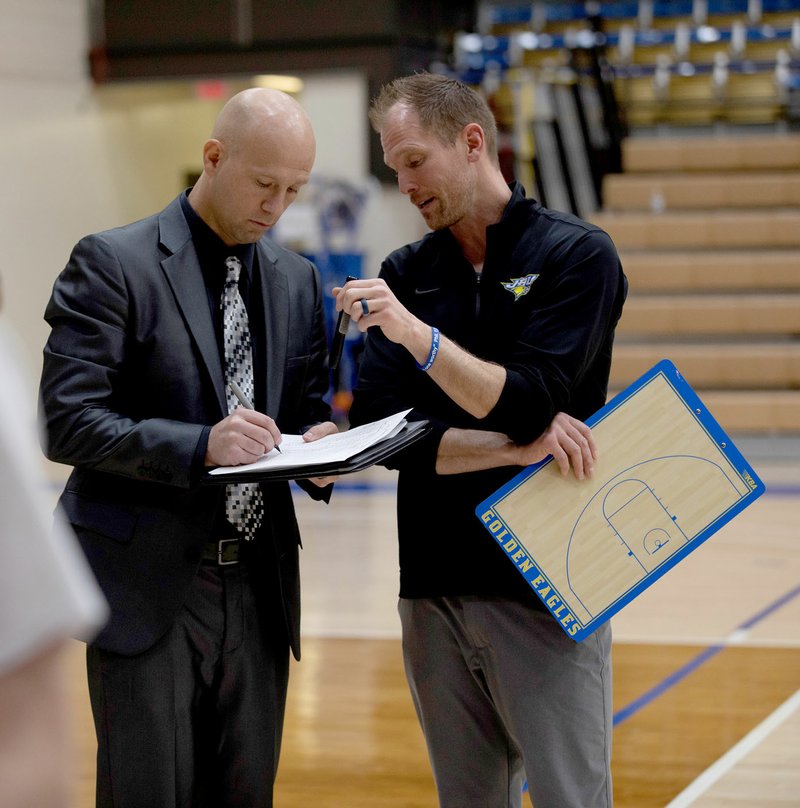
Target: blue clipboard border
(524, 563)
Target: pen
(244, 401)
(342, 324)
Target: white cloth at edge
(47, 590)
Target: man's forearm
(472, 383)
(463, 450)
(569, 441)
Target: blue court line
(679, 675)
(345, 486)
(782, 490)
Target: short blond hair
(444, 105)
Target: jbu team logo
(519, 287)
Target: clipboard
(666, 479)
(410, 432)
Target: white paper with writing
(336, 448)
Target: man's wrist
(418, 341)
(433, 351)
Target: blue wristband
(433, 352)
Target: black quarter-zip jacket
(545, 307)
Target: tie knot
(234, 266)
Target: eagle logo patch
(519, 287)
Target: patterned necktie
(244, 505)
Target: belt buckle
(221, 549)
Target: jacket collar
(181, 267)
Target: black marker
(342, 324)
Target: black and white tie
(244, 504)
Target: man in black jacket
(493, 327)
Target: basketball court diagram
(667, 478)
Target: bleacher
(688, 115)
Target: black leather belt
(223, 552)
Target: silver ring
(364, 306)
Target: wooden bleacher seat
(747, 411)
(712, 271)
(701, 190)
(719, 364)
(755, 152)
(684, 93)
(751, 97)
(776, 412)
(715, 229)
(717, 315)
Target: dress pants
(503, 695)
(196, 720)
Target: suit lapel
(182, 270)
(275, 291)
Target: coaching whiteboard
(666, 479)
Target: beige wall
(76, 158)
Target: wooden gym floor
(706, 666)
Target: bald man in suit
(188, 679)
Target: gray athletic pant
(503, 694)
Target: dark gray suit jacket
(132, 373)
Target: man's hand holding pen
(241, 437)
(246, 435)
